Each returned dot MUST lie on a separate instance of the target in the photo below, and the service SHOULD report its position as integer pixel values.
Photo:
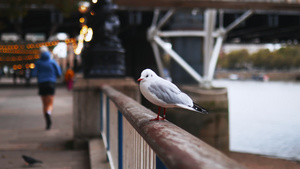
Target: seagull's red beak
(139, 79)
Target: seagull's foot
(157, 118)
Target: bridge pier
(212, 128)
(86, 104)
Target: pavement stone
(22, 130)
(98, 158)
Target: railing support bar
(178, 59)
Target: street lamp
(103, 55)
(83, 6)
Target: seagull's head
(146, 75)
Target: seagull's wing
(168, 92)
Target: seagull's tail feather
(200, 109)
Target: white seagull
(165, 94)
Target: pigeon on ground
(30, 160)
(165, 94)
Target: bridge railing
(133, 141)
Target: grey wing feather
(167, 93)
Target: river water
(264, 117)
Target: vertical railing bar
(139, 152)
(145, 154)
(147, 157)
(101, 111)
(120, 139)
(103, 132)
(142, 152)
(135, 150)
(152, 160)
(107, 122)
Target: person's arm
(57, 69)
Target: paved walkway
(22, 131)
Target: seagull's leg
(157, 118)
(164, 117)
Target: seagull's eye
(147, 75)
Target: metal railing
(133, 141)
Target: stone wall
(273, 75)
(86, 102)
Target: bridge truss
(213, 37)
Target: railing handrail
(175, 147)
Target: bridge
(215, 23)
(223, 22)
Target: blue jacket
(46, 69)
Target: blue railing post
(159, 164)
(120, 139)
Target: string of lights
(21, 56)
(35, 45)
(19, 51)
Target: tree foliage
(283, 59)
(14, 9)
